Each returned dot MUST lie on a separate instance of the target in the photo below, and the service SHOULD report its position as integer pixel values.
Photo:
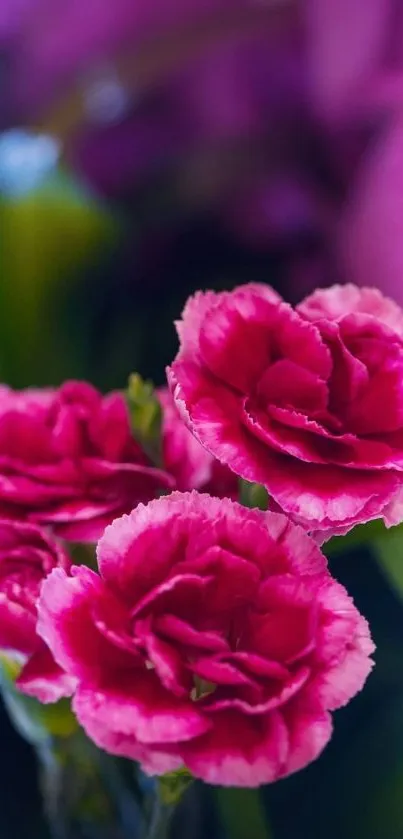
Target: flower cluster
(210, 635)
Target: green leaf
(253, 495)
(145, 416)
(364, 534)
(84, 553)
(388, 550)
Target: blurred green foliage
(49, 239)
(36, 722)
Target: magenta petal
(153, 761)
(259, 666)
(220, 672)
(176, 629)
(255, 756)
(27, 490)
(393, 512)
(192, 316)
(349, 375)
(19, 534)
(168, 663)
(300, 342)
(236, 578)
(309, 730)
(339, 623)
(185, 591)
(66, 617)
(235, 339)
(299, 555)
(184, 457)
(197, 307)
(367, 414)
(191, 465)
(109, 428)
(316, 495)
(27, 555)
(136, 552)
(285, 628)
(42, 678)
(79, 521)
(276, 698)
(87, 530)
(334, 686)
(17, 627)
(287, 383)
(338, 301)
(292, 433)
(141, 707)
(22, 432)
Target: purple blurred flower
(276, 123)
(371, 229)
(355, 56)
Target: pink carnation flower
(311, 410)
(27, 555)
(213, 636)
(68, 459)
(192, 466)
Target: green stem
(160, 819)
(85, 794)
(243, 814)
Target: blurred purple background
(264, 133)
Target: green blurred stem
(242, 814)
(159, 827)
(86, 793)
(165, 797)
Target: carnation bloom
(68, 459)
(192, 466)
(213, 637)
(308, 403)
(27, 555)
